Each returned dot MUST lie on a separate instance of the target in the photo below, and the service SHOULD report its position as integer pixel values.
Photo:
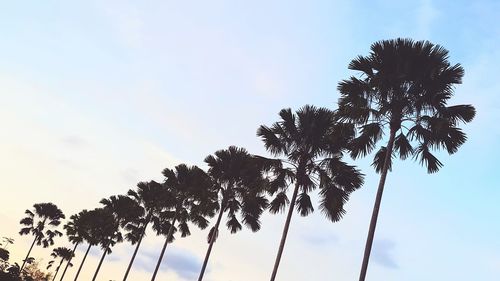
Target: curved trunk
(57, 269)
(212, 240)
(69, 261)
(83, 261)
(28, 255)
(100, 263)
(137, 247)
(285, 231)
(376, 207)
(170, 232)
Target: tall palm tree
(152, 197)
(193, 198)
(76, 231)
(312, 145)
(238, 178)
(122, 210)
(65, 254)
(41, 223)
(404, 90)
(94, 221)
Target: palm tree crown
(77, 228)
(405, 87)
(152, 197)
(36, 221)
(238, 178)
(65, 254)
(312, 145)
(192, 199)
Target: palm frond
(379, 159)
(279, 203)
(332, 202)
(426, 158)
(304, 205)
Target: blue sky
(98, 95)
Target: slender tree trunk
(212, 240)
(57, 269)
(83, 261)
(69, 261)
(28, 255)
(100, 263)
(137, 247)
(170, 232)
(285, 231)
(376, 207)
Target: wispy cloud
(182, 262)
(74, 141)
(382, 253)
(426, 14)
(320, 239)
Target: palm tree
(41, 223)
(239, 180)
(152, 197)
(193, 198)
(121, 211)
(76, 231)
(404, 90)
(60, 252)
(6, 242)
(94, 221)
(312, 145)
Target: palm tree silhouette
(41, 223)
(152, 197)
(121, 210)
(312, 144)
(76, 231)
(404, 89)
(192, 199)
(93, 222)
(65, 254)
(241, 185)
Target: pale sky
(99, 95)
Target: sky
(99, 95)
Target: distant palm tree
(94, 230)
(312, 145)
(238, 178)
(76, 231)
(6, 241)
(121, 211)
(65, 254)
(404, 89)
(193, 199)
(44, 215)
(153, 198)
